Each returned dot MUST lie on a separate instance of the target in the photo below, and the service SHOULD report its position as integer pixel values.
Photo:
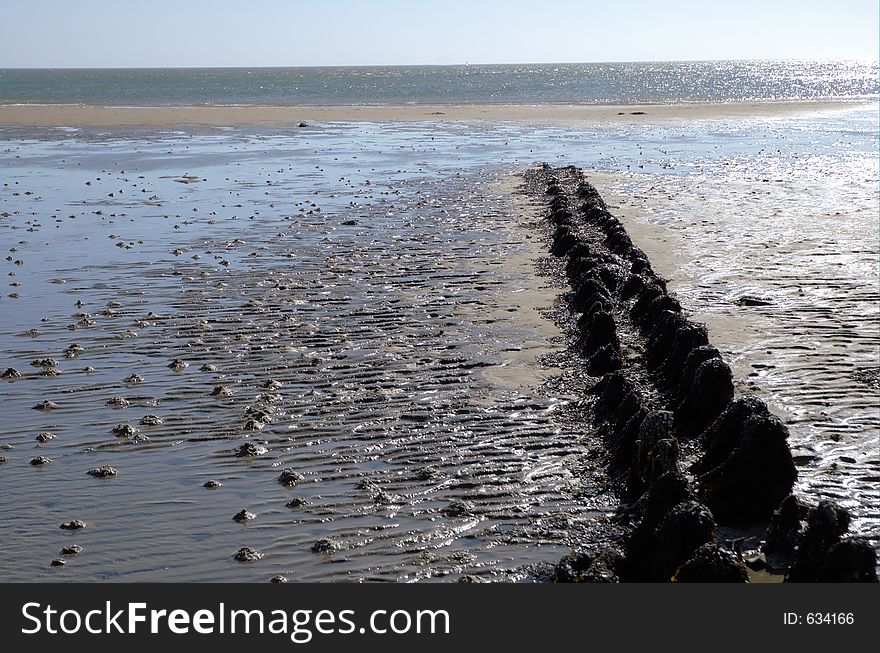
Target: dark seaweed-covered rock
(621, 441)
(684, 528)
(696, 358)
(597, 330)
(706, 399)
(755, 478)
(590, 197)
(648, 294)
(850, 561)
(607, 359)
(561, 216)
(686, 341)
(784, 531)
(587, 568)
(711, 563)
(619, 242)
(611, 275)
(672, 341)
(666, 492)
(563, 241)
(663, 315)
(571, 567)
(589, 290)
(246, 554)
(826, 524)
(610, 391)
(631, 287)
(651, 463)
(725, 433)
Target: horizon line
(449, 65)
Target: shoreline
(217, 116)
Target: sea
(367, 305)
(593, 83)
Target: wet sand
(390, 281)
(275, 116)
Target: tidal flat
(372, 307)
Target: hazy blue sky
(95, 33)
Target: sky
(160, 33)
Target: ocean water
(384, 275)
(597, 83)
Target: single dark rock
(648, 464)
(178, 365)
(606, 359)
(621, 440)
(755, 478)
(11, 373)
(278, 579)
(563, 241)
(725, 433)
(571, 567)
(826, 525)
(72, 550)
(686, 341)
(249, 449)
(124, 431)
(243, 516)
(587, 568)
(45, 437)
(784, 531)
(74, 525)
(685, 527)
(246, 554)
(696, 358)
(711, 563)
(105, 471)
(289, 477)
(325, 545)
(297, 502)
(850, 561)
(590, 290)
(708, 396)
(599, 330)
(631, 287)
(212, 485)
(39, 461)
(671, 346)
(610, 391)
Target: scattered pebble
(178, 365)
(243, 516)
(250, 449)
(325, 545)
(105, 471)
(247, 554)
(290, 477)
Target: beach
(278, 116)
(203, 298)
